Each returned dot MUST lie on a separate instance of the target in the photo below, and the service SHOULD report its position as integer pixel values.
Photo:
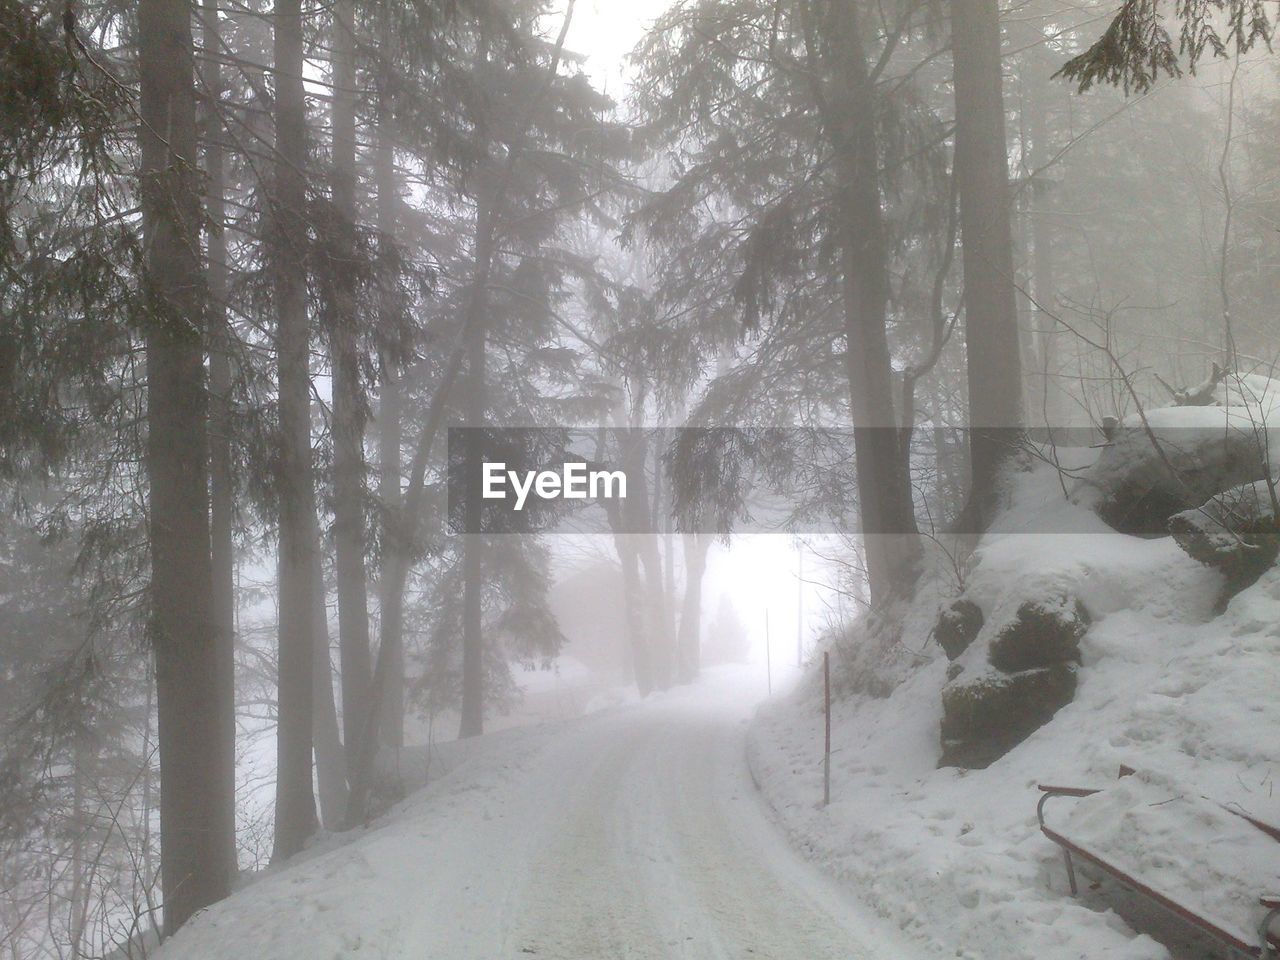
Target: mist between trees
(258, 259)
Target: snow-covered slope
(1190, 700)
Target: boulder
(984, 717)
(1131, 486)
(958, 625)
(1042, 633)
(1235, 532)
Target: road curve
(631, 834)
(650, 842)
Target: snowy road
(635, 833)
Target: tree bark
(689, 640)
(473, 543)
(991, 314)
(221, 481)
(331, 766)
(885, 502)
(349, 414)
(390, 470)
(195, 791)
(1043, 281)
(637, 507)
(295, 801)
(397, 575)
(633, 595)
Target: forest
(838, 292)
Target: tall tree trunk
(884, 488)
(78, 906)
(331, 766)
(221, 482)
(663, 521)
(473, 543)
(991, 315)
(1043, 282)
(390, 470)
(689, 640)
(396, 576)
(348, 399)
(295, 801)
(656, 617)
(195, 791)
(633, 599)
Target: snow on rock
(1234, 532)
(1044, 632)
(985, 716)
(1164, 686)
(1136, 485)
(1011, 681)
(958, 625)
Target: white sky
(605, 31)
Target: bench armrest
(1067, 791)
(1050, 791)
(1268, 940)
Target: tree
(390, 465)
(220, 344)
(195, 788)
(790, 132)
(295, 801)
(349, 405)
(689, 639)
(990, 306)
(1136, 49)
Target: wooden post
(800, 603)
(768, 654)
(826, 757)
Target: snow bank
(363, 893)
(1187, 699)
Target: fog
(651, 479)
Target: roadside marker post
(826, 756)
(800, 603)
(768, 654)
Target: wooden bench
(1268, 943)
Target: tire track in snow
(664, 853)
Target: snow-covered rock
(1175, 458)
(985, 716)
(1044, 631)
(1234, 532)
(959, 623)
(1012, 680)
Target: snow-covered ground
(631, 833)
(690, 825)
(1190, 700)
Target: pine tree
(349, 415)
(295, 801)
(990, 307)
(195, 788)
